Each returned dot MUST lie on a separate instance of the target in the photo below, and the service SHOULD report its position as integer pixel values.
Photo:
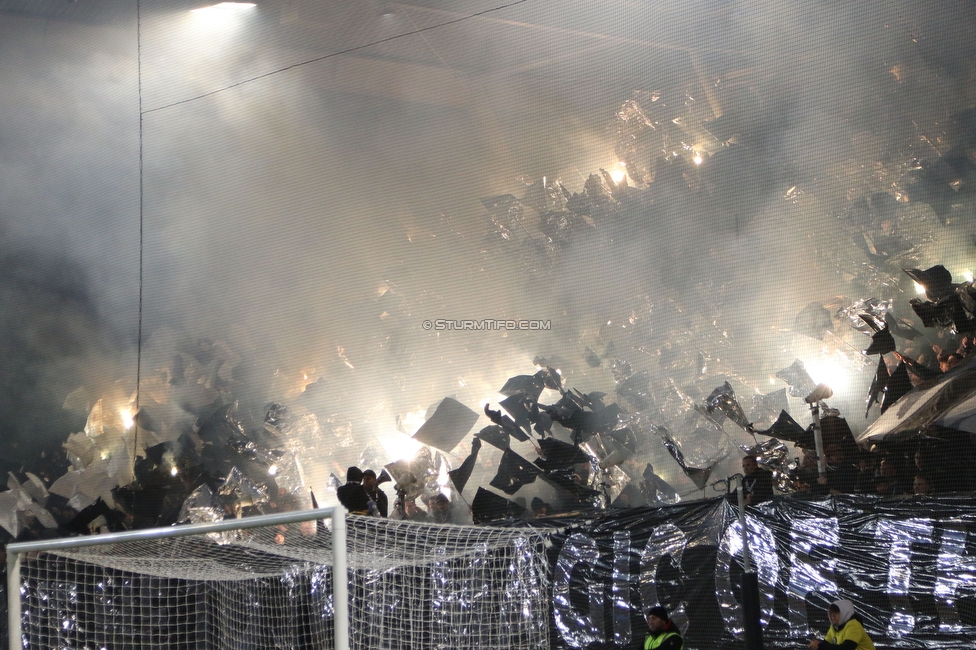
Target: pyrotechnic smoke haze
(311, 220)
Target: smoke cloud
(311, 220)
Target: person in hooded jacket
(846, 631)
(662, 632)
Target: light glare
(400, 447)
(223, 16)
(223, 8)
(831, 371)
(127, 418)
(414, 419)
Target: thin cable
(448, 66)
(135, 424)
(429, 46)
(329, 56)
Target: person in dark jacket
(352, 495)
(662, 633)
(846, 631)
(841, 472)
(375, 494)
(890, 483)
(757, 483)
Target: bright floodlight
(223, 8)
(830, 368)
(225, 17)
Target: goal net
(411, 586)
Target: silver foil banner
(723, 400)
(905, 563)
(774, 456)
(907, 573)
(579, 626)
(799, 380)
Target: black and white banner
(909, 566)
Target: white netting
(411, 586)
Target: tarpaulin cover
(907, 565)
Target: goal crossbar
(337, 514)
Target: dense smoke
(308, 222)
(54, 341)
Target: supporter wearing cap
(662, 634)
(376, 496)
(440, 509)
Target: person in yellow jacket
(662, 633)
(846, 631)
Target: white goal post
(268, 582)
(19, 552)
